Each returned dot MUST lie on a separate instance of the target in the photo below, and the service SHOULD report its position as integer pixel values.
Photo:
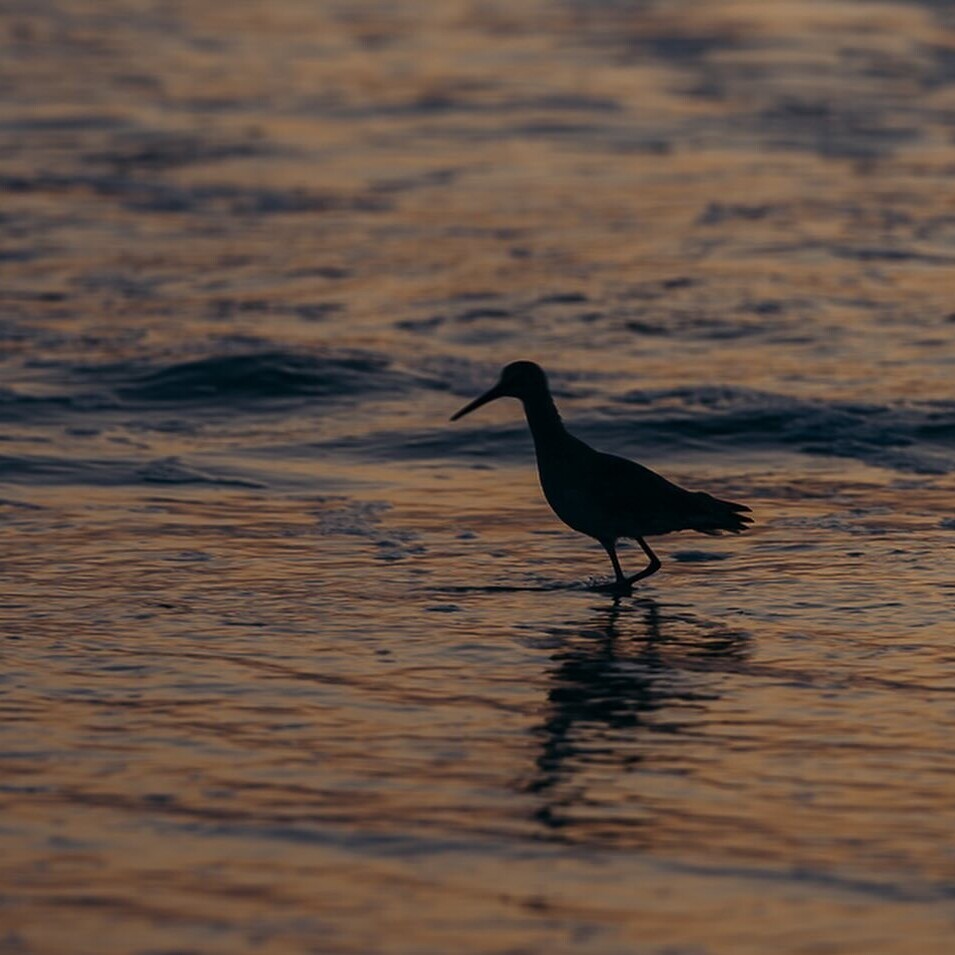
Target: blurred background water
(290, 663)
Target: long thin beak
(495, 392)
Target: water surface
(293, 664)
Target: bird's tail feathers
(716, 516)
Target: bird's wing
(659, 506)
(628, 483)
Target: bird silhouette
(602, 495)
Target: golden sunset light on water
(294, 664)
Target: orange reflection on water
(291, 663)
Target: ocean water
(291, 663)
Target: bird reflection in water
(627, 674)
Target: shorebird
(601, 495)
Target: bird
(601, 495)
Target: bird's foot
(652, 569)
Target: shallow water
(293, 664)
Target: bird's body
(601, 495)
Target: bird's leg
(651, 568)
(621, 584)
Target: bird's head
(519, 379)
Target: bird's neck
(543, 420)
